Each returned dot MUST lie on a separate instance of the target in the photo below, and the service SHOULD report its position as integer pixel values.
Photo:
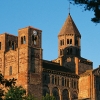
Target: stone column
(50, 79)
(60, 94)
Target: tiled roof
(69, 27)
(54, 66)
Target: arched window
(65, 94)
(33, 38)
(60, 42)
(76, 41)
(63, 41)
(24, 40)
(70, 41)
(67, 41)
(61, 51)
(45, 90)
(55, 92)
(10, 70)
(21, 40)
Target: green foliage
(15, 93)
(93, 5)
(30, 97)
(5, 84)
(48, 97)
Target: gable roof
(69, 27)
(55, 66)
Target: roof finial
(69, 8)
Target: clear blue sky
(49, 16)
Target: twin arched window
(11, 45)
(23, 40)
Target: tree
(93, 5)
(30, 97)
(48, 97)
(15, 93)
(5, 84)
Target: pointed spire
(69, 27)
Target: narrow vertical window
(0, 45)
(63, 41)
(33, 38)
(60, 42)
(76, 42)
(13, 46)
(67, 41)
(21, 40)
(9, 45)
(24, 40)
(10, 70)
(70, 41)
(60, 52)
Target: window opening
(0, 45)
(60, 42)
(63, 41)
(21, 40)
(70, 41)
(76, 42)
(67, 41)
(13, 46)
(10, 70)
(9, 45)
(24, 40)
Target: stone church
(68, 77)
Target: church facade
(68, 77)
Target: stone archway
(75, 96)
(45, 90)
(55, 93)
(65, 94)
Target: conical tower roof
(69, 27)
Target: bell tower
(30, 59)
(69, 46)
(69, 39)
